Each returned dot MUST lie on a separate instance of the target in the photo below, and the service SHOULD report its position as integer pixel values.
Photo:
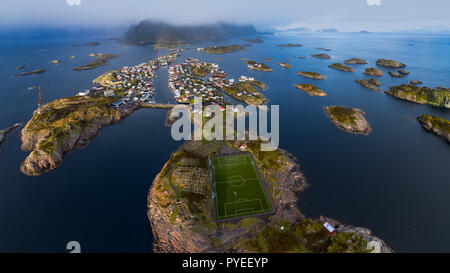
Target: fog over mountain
(344, 15)
(149, 32)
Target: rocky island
(355, 61)
(258, 66)
(311, 75)
(416, 82)
(437, 125)
(254, 40)
(351, 120)
(423, 95)
(390, 63)
(36, 71)
(5, 132)
(341, 67)
(372, 71)
(182, 218)
(321, 56)
(370, 84)
(311, 89)
(100, 60)
(222, 49)
(289, 45)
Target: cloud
(374, 2)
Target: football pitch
(238, 190)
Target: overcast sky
(345, 15)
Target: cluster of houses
(186, 85)
(133, 84)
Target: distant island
(289, 45)
(222, 49)
(100, 60)
(154, 32)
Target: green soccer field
(238, 190)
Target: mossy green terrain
(437, 125)
(423, 95)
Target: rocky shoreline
(183, 223)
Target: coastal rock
(372, 71)
(423, 95)
(311, 75)
(321, 56)
(390, 63)
(403, 72)
(351, 120)
(183, 222)
(341, 67)
(355, 61)
(5, 132)
(62, 126)
(437, 125)
(369, 84)
(311, 89)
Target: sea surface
(396, 181)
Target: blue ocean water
(394, 181)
